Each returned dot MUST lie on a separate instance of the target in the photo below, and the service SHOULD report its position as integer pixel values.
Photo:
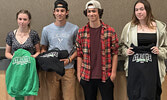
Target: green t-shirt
(21, 75)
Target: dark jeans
(90, 89)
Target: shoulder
(34, 35)
(108, 28)
(83, 29)
(69, 24)
(129, 25)
(160, 25)
(33, 32)
(11, 33)
(48, 26)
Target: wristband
(70, 60)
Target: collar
(102, 24)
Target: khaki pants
(57, 83)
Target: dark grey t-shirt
(95, 53)
(28, 45)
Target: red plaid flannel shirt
(109, 47)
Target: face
(140, 11)
(60, 13)
(23, 20)
(92, 14)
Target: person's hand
(113, 76)
(66, 61)
(78, 77)
(33, 56)
(155, 50)
(129, 51)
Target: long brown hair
(149, 18)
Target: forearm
(114, 67)
(36, 54)
(8, 55)
(37, 47)
(8, 52)
(114, 63)
(79, 63)
(73, 56)
(43, 48)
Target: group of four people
(97, 51)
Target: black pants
(90, 89)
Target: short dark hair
(64, 5)
(24, 12)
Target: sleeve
(78, 45)
(74, 40)
(44, 38)
(35, 37)
(75, 34)
(9, 39)
(163, 46)
(123, 43)
(115, 45)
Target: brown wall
(116, 13)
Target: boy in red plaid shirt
(97, 49)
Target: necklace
(21, 37)
(143, 28)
